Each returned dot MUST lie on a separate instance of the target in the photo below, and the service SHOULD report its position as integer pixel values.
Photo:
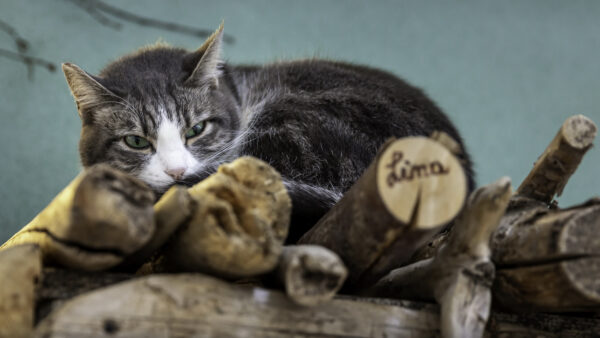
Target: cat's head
(162, 114)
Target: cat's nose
(176, 173)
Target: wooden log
(461, 274)
(548, 260)
(559, 161)
(310, 274)
(413, 187)
(195, 305)
(238, 225)
(20, 271)
(99, 218)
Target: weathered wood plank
(197, 305)
(193, 305)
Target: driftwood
(547, 259)
(413, 187)
(459, 277)
(559, 161)
(102, 216)
(173, 209)
(239, 221)
(310, 274)
(20, 271)
(193, 305)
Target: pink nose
(176, 173)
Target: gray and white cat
(169, 116)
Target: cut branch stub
(559, 161)
(310, 274)
(414, 186)
(238, 225)
(102, 216)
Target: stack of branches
(382, 239)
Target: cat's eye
(195, 130)
(136, 142)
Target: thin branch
(94, 7)
(90, 8)
(29, 61)
(22, 44)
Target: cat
(169, 116)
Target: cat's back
(317, 76)
(326, 112)
(382, 103)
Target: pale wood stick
(413, 187)
(310, 274)
(238, 225)
(99, 218)
(559, 161)
(459, 277)
(20, 272)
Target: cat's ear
(87, 91)
(206, 61)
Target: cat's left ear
(87, 91)
(207, 59)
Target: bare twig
(94, 7)
(22, 44)
(29, 61)
(90, 8)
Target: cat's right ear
(86, 90)
(206, 61)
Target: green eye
(195, 130)
(136, 142)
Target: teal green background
(507, 72)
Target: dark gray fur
(319, 123)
